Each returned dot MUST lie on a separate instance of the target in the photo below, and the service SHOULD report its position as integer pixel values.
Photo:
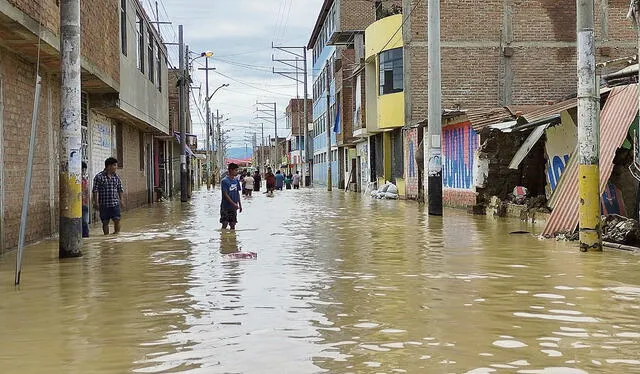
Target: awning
(618, 113)
(189, 151)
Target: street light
(209, 147)
(216, 90)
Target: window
(123, 26)
(141, 142)
(151, 56)
(391, 71)
(159, 68)
(140, 42)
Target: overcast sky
(240, 33)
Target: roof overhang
(324, 11)
(344, 38)
(110, 105)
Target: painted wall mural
(411, 168)
(561, 142)
(460, 143)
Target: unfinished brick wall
(295, 111)
(18, 83)
(358, 14)
(537, 66)
(45, 11)
(99, 25)
(100, 43)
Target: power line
(252, 86)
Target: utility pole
(271, 111)
(187, 117)
(182, 118)
(328, 126)
(588, 130)
(220, 145)
(209, 146)
(262, 146)
(157, 22)
(70, 132)
(434, 154)
(208, 120)
(294, 75)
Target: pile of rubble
(615, 229)
(620, 230)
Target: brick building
(336, 43)
(123, 104)
(502, 53)
(297, 124)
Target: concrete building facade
(114, 121)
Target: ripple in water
(509, 344)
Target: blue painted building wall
(320, 111)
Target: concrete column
(70, 131)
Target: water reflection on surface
(341, 284)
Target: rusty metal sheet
(481, 118)
(550, 110)
(617, 115)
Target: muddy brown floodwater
(341, 284)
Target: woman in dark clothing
(256, 181)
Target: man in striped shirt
(107, 195)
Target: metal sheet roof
(550, 110)
(617, 115)
(481, 118)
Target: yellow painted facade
(384, 112)
(383, 35)
(380, 32)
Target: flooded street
(341, 284)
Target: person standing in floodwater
(279, 180)
(296, 181)
(288, 180)
(230, 204)
(256, 181)
(271, 181)
(107, 195)
(248, 185)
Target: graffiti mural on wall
(561, 142)
(460, 145)
(411, 168)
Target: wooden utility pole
(588, 130)
(70, 230)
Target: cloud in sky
(240, 33)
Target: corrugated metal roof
(617, 115)
(549, 110)
(481, 118)
(524, 109)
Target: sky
(240, 34)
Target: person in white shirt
(296, 181)
(248, 184)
